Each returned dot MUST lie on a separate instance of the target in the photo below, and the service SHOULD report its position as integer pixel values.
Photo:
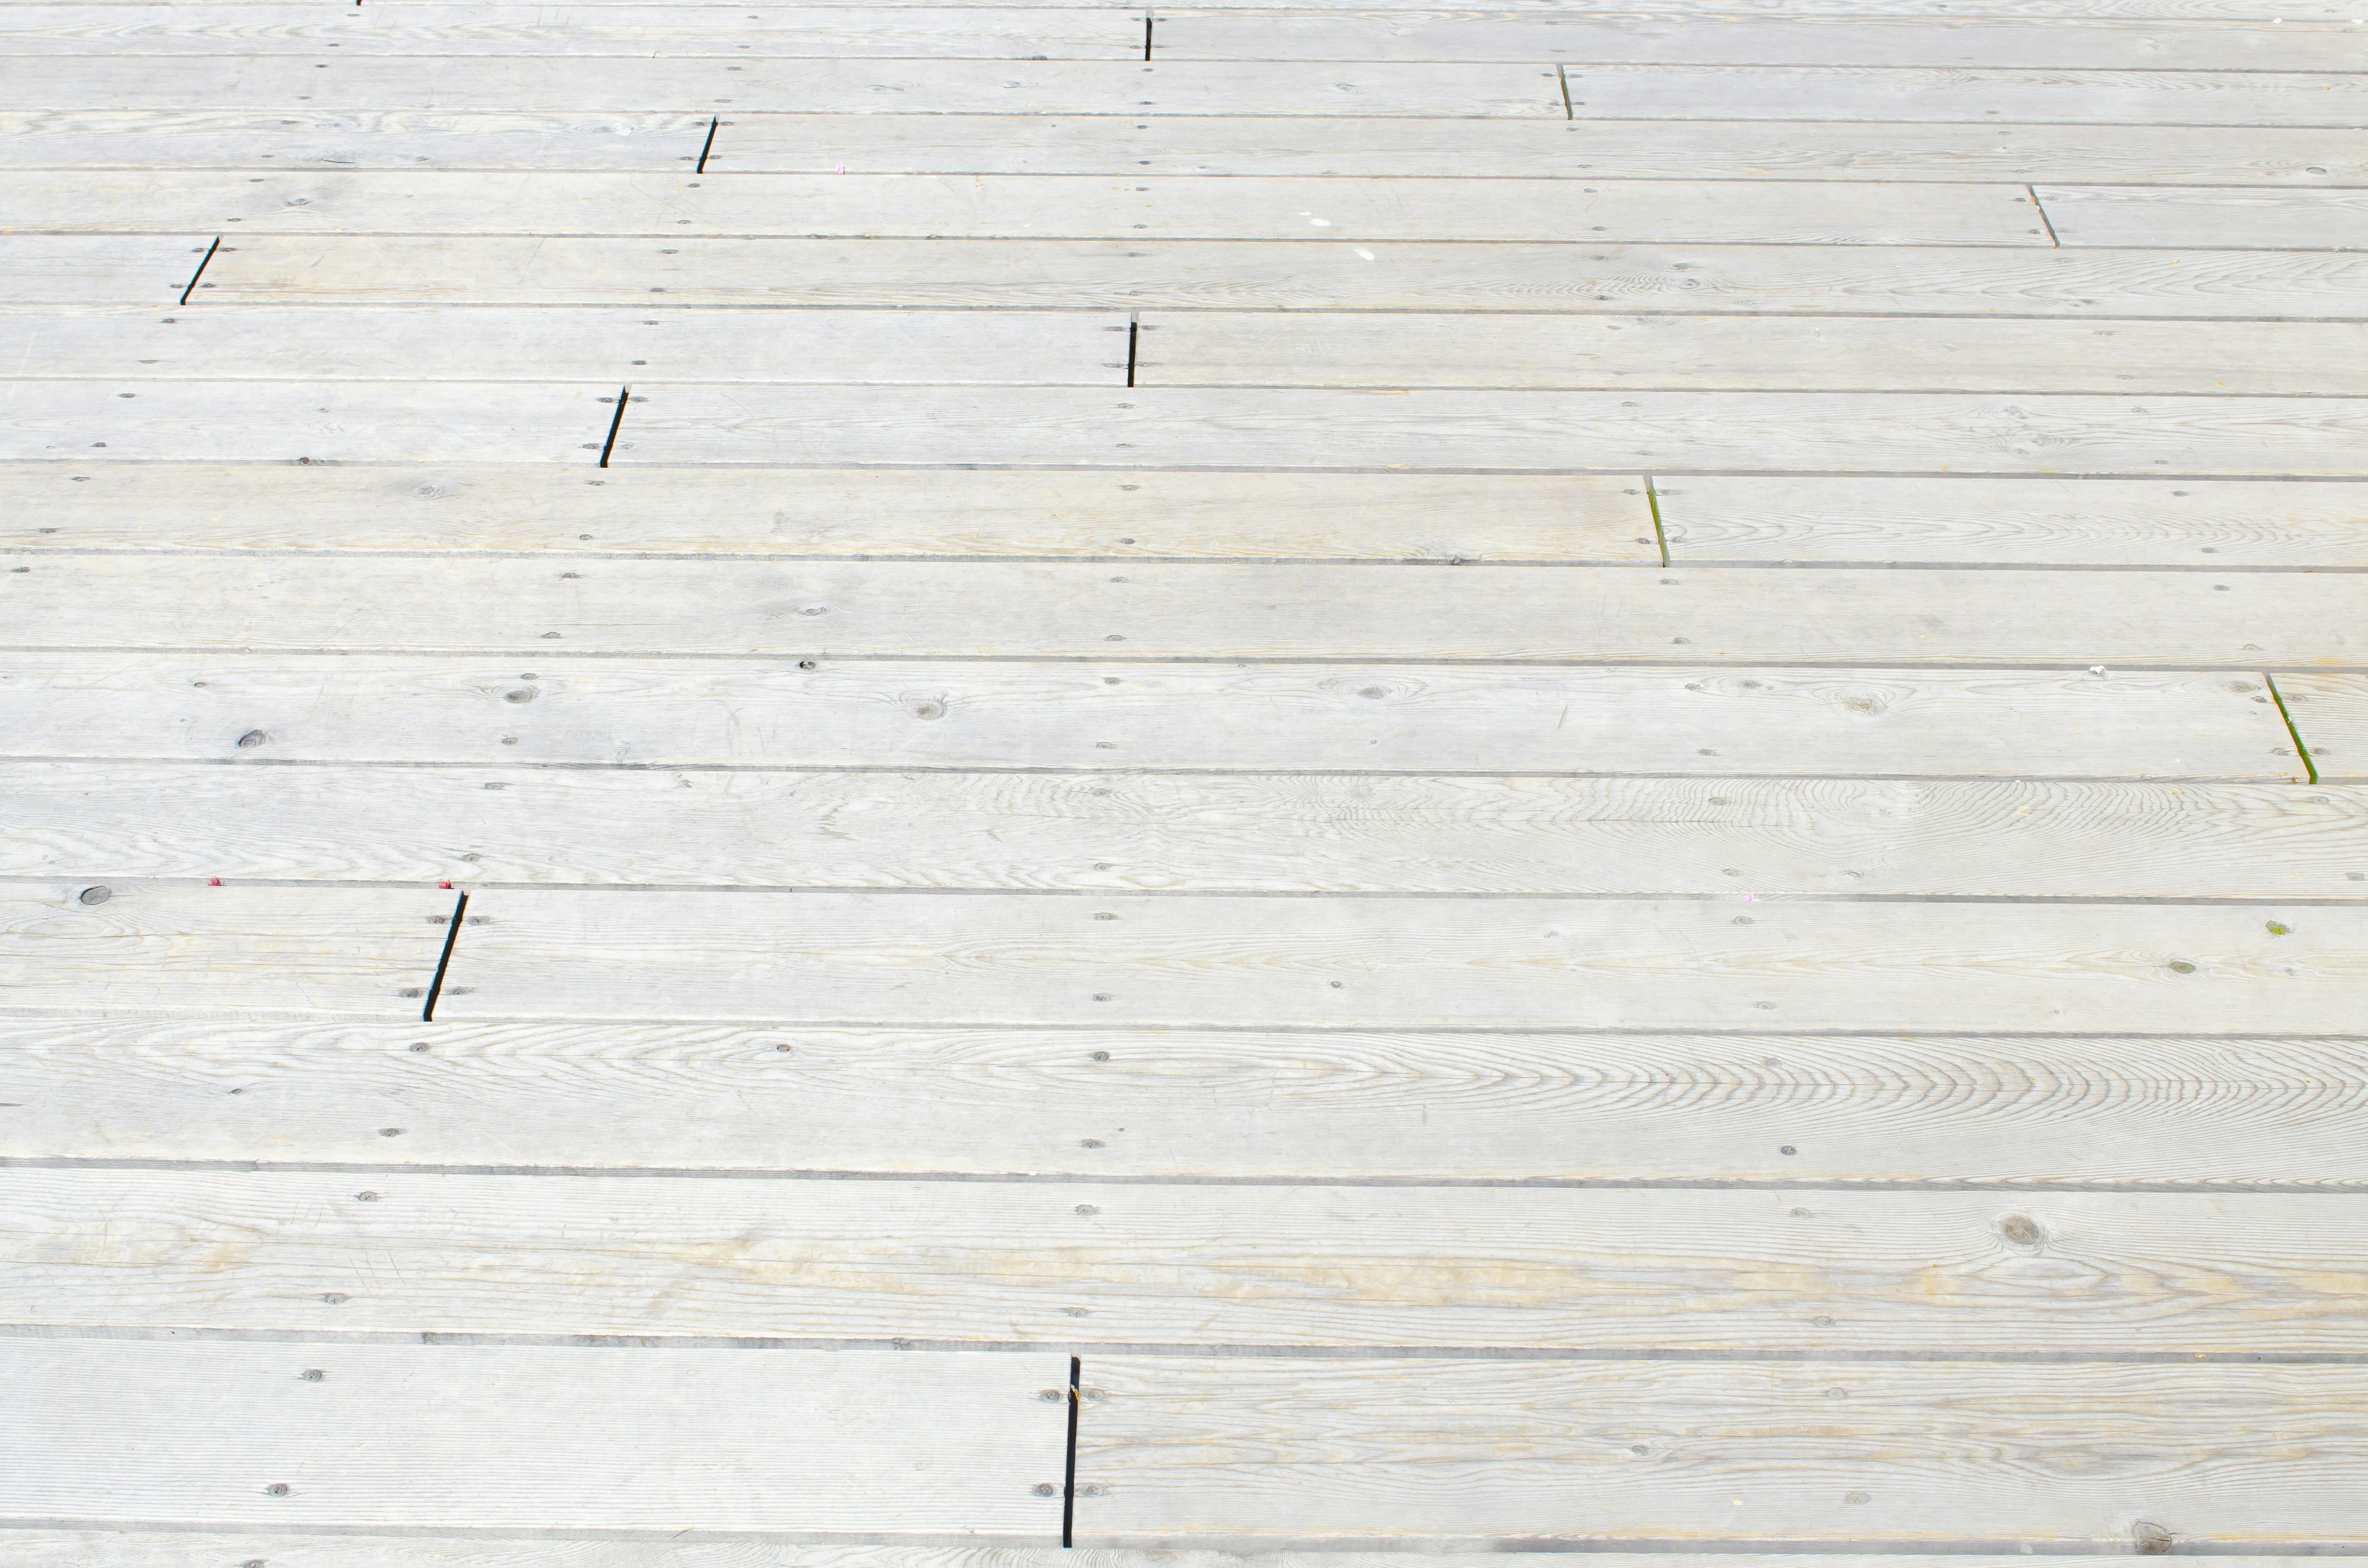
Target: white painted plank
(1653, 149)
(2010, 42)
(1293, 428)
(1212, 832)
(1224, 961)
(821, 511)
(97, 269)
(1804, 354)
(980, 1263)
(1114, 716)
(56, 139)
(1308, 274)
(607, 346)
(1185, 207)
(2331, 715)
(532, 1437)
(563, 82)
(2033, 521)
(306, 421)
(2238, 220)
(197, 27)
(37, 1547)
(1234, 1105)
(1435, 1451)
(1884, 91)
(525, 609)
(94, 948)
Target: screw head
(95, 895)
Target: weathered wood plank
(1468, 1453)
(1194, 1264)
(1211, 833)
(2238, 220)
(563, 82)
(435, 422)
(1886, 91)
(95, 949)
(55, 139)
(1308, 274)
(533, 1436)
(1657, 148)
(639, 32)
(98, 269)
(1180, 207)
(2069, 42)
(1237, 1105)
(1804, 354)
(1224, 961)
(110, 1548)
(818, 512)
(2033, 521)
(521, 606)
(607, 346)
(1292, 427)
(2331, 715)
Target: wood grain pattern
(2176, 216)
(1224, 961)
(519, 607)
(1412, 1452)
(1659, 432)
(1309, 275)
(1014, 1263)
(92, 950)
(562, 83)
(650, 1439)
(2067, 42)
(306, 421)
(641, 32)
(1643, 149)
(827, 513)
(1204, 832)
(87, 269)
(144, 1548)
(1804, 354)
(607, 346)
(2033, 521)
(1173, 207)
(316, 138)
(1319, 1105)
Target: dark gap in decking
(1069, 1467)
(200, 272)
(2043, 218)
(616, 421)
(1562, 74)
(709, 145)
(444, 959)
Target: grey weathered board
(531, 1437)
(1732, 962)
(1923, 1112)
(528, 607)
(1203, 1265)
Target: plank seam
(705, 148)
(200, 272)
(1069, 1467)
(2310, 765)
(2043, 218)
(444, 959)
(616, 423)
(1660, 535)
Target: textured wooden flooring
(896, 786)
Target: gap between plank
(200, 272)
(1562, 74)
(1146, 55)
(709, 145)
(2043, 218)
(1133, 336)
(616, 421)
(1069, 1472)
(2310, 766)
(444, 959)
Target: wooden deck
(1006, 786)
